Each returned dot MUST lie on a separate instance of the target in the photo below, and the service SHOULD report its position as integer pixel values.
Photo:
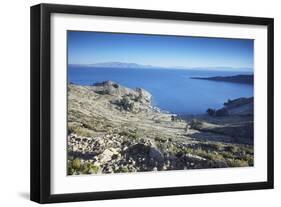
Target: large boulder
(145, 155)
(107, 155)
(156, 158)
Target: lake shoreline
(172, 89)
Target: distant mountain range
(117, 65)
(135, 65)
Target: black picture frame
(41, 102)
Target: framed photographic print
(132, 103)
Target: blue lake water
(172, 89)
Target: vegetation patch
(76, 167)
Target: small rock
(105, 156)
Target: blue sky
(159, 50)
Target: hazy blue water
(172, 89)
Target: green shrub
(160, 139)
(81, 131)
(226, 154)
(131, 134)
(216, 146)
(214, 156)
(125, 104)
(210, 155)
(248, 158)
(76, 164)
(232, 149)
(189, 150)
(237, 163)
(90, 168)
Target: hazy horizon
(161, 51)
(220, 68)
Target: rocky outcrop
(112, 88)
(132, 100)
(240, 107)
(235, 120)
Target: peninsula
(245, 79)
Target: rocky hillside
(240, 106)
(113, 129)
(236, 107)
